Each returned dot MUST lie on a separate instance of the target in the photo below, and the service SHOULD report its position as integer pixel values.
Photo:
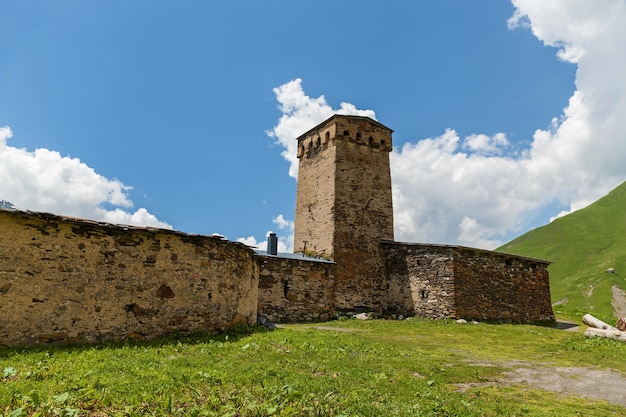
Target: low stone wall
(68, 280)
(437, 281)
(293, 289)
(498, 286)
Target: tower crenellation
(319, 137)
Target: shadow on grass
(231, 334)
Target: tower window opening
(423, 294)
(346, 133)
(358, 136)
(327, 136)
(319, 141)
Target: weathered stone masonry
(440, 281)
(293, 289)
(69, 280)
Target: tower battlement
(359, 130)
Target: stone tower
(344, 207)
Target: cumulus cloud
(473, 190)
(282, 223)
(251, 241)
(584, 148)
(486, 145)
(443, 194)
(43, 180)
(301, 113)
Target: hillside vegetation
(582, 246)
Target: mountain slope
(583, 246)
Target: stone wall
(68, 280)
(437, 281)
(498, 286)
(420, 280)
(295, 289)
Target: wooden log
(610, 334)
(591, 321)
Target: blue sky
(182, 114)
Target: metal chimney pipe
(272, 244)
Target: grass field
(342, 368)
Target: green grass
(373, 368)
(582, 245)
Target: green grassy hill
(582, 245)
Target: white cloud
(43, 180)
(444, 195)
(468, 191)
(141, 217)
(585, 149)
(301, 113)
(572, 26)
(282, 223)
(250, 241)
(486, 145)
(475, 233)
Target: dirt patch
(596, 384)
(604, 385)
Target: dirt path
(619, 301)
(596, 384)
(604, 385)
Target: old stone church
(66, 280)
